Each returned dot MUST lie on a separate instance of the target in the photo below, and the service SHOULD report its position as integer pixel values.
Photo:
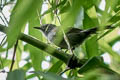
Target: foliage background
(84, 14)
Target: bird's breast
(51, 35)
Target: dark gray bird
(75, 36)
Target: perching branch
(43, 46)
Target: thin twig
(3, 20)
(13, 58)
(1, 63)
(65, 37)
(4, 17)
(58, 19)
(64, 71)
(39, 17)
(2, 41)
(6, 54)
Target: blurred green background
(22, 15)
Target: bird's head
(46, 28)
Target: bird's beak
(37, 27)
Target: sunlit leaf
(36, 55)
(106, 47)
(20, 14)
(49, 76)
(56, 67)
(89, 22)
(92, 63)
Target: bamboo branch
(43, 46)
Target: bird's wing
(76, 38)
(74, 30)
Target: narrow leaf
(23, 10)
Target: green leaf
(117, 6)
(36, 55)
(23, 10)
(64, 8)
(31, 76)
(2, 49)
(114, 18)
(27, 66)
(4, 62)
(113, 34)
(92, 47)
(92, 63)
(99, 74)
(91, 44)
(16, 75)
(49, 76)
(56, 67)
(111, 4)
(106, 47)
(101, 36)
(54, 7)
(90, 3)
(68, 19)
(19, 53)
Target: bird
(75, 36)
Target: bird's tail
(95, 29)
